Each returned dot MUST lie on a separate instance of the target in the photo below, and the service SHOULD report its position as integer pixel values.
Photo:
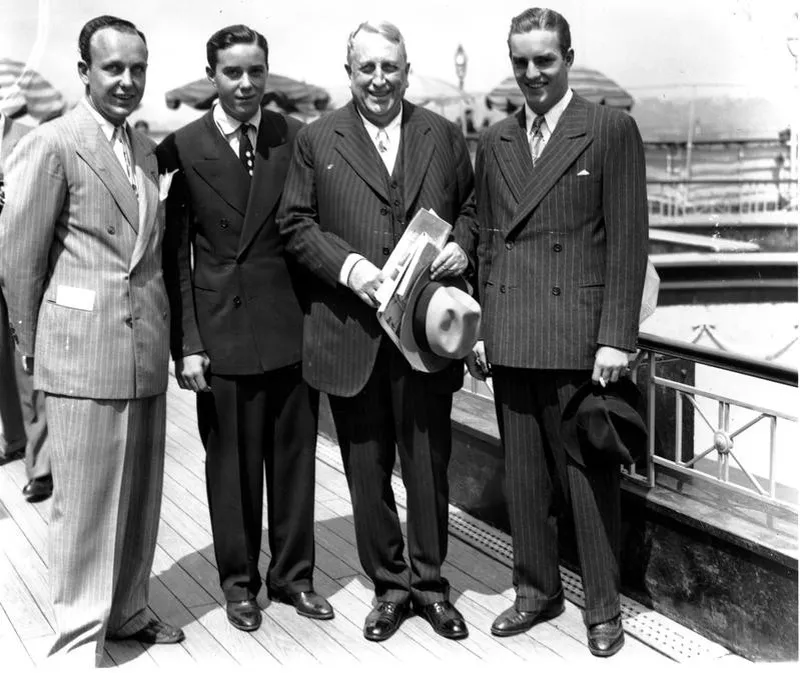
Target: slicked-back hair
(230, 35)
(384, 28)
(98, 23)
(541, 18)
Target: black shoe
(244, 615)
(445, 619)
(512, 621)
(384, 620)
(607, 638)
(307, 603)
(38, 489)
(155, 632)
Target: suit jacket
(80, 262)
(336, 202)
(563, 246)
(11, 135)
(239, 302)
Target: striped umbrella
(22, 88)
(590, 84)
(289, 94)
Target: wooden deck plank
(19, 604)
(15, 655)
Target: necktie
(382, 141)
(246, 148)
(121, 149)
(536, 139)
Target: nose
(245, 82)
(378, 77)
(126, 80)
(532, 71)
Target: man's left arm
(627, 232)
(458, 255)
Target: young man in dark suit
(237, 331)
(562, 206)
(357, 177)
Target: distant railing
(723, 448)
(679, 198)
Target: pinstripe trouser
(108, 468)
(540, 477)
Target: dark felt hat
(605, 425)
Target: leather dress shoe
(384, 620)
(511, 622)
(38, 489)
(606, 638)
(445, 619)
(155, 632)
(244, 615)
(307, 603)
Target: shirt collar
(105, 126)
(229, 125)
(391, 128)
(551, 116)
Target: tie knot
(536, 127)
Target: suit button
(557, 247)
(394, 184)
(503, 289)
(509, 245)
(111, 230)
(129, 321)
(397, 202)
(556, 291)
(224, 223)
(386, 251)
(384, 210)
(237, 302)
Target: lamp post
(461, 73)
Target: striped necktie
(536, 138)
(246, 148)
(123, 152)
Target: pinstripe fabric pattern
(563, 246)
(71, 219)
(108, 460)
(542, 483)
(336, 202)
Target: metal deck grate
(659, 632)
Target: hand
(365, 279)
(27, 364)
(477, 364)
(190, 372)
(609, 364)
(451, 261)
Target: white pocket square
(582, 173)
(164, 182)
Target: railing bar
(752, 479)
(697, 457)
(693, 402)
(678, 426)
(749, 424)
(773, 427)
(666, 383)
(725, 421)
(651, 419)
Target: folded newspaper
(420, 244)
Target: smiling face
(116, 77)
(378, 77)
(541, 70)
(240, 78)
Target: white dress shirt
(120, 144)
(229, 127)
(551, 118)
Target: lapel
(146, 166)
(271, 164)
(568, 141)
(417, 148)
(93, 147)
(356, 148)
(220, 168)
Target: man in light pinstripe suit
(80, 264)
(562, 207)
(356, 177)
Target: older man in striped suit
(563, 248)
(80, 265)
(357, 176)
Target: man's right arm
(36, 187)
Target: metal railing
(680, 197)
(723, 446)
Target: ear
(210, 74)
(83, 72)
(570, 57)
(348, 69)
(408, 68)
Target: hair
(384, 28)
(236, 34)
(541, 18)
(98, 23)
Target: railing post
(651, 418)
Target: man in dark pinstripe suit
(562, 253)
(356, 177)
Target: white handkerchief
(164, 182)
(75, 297)
(582, 173)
